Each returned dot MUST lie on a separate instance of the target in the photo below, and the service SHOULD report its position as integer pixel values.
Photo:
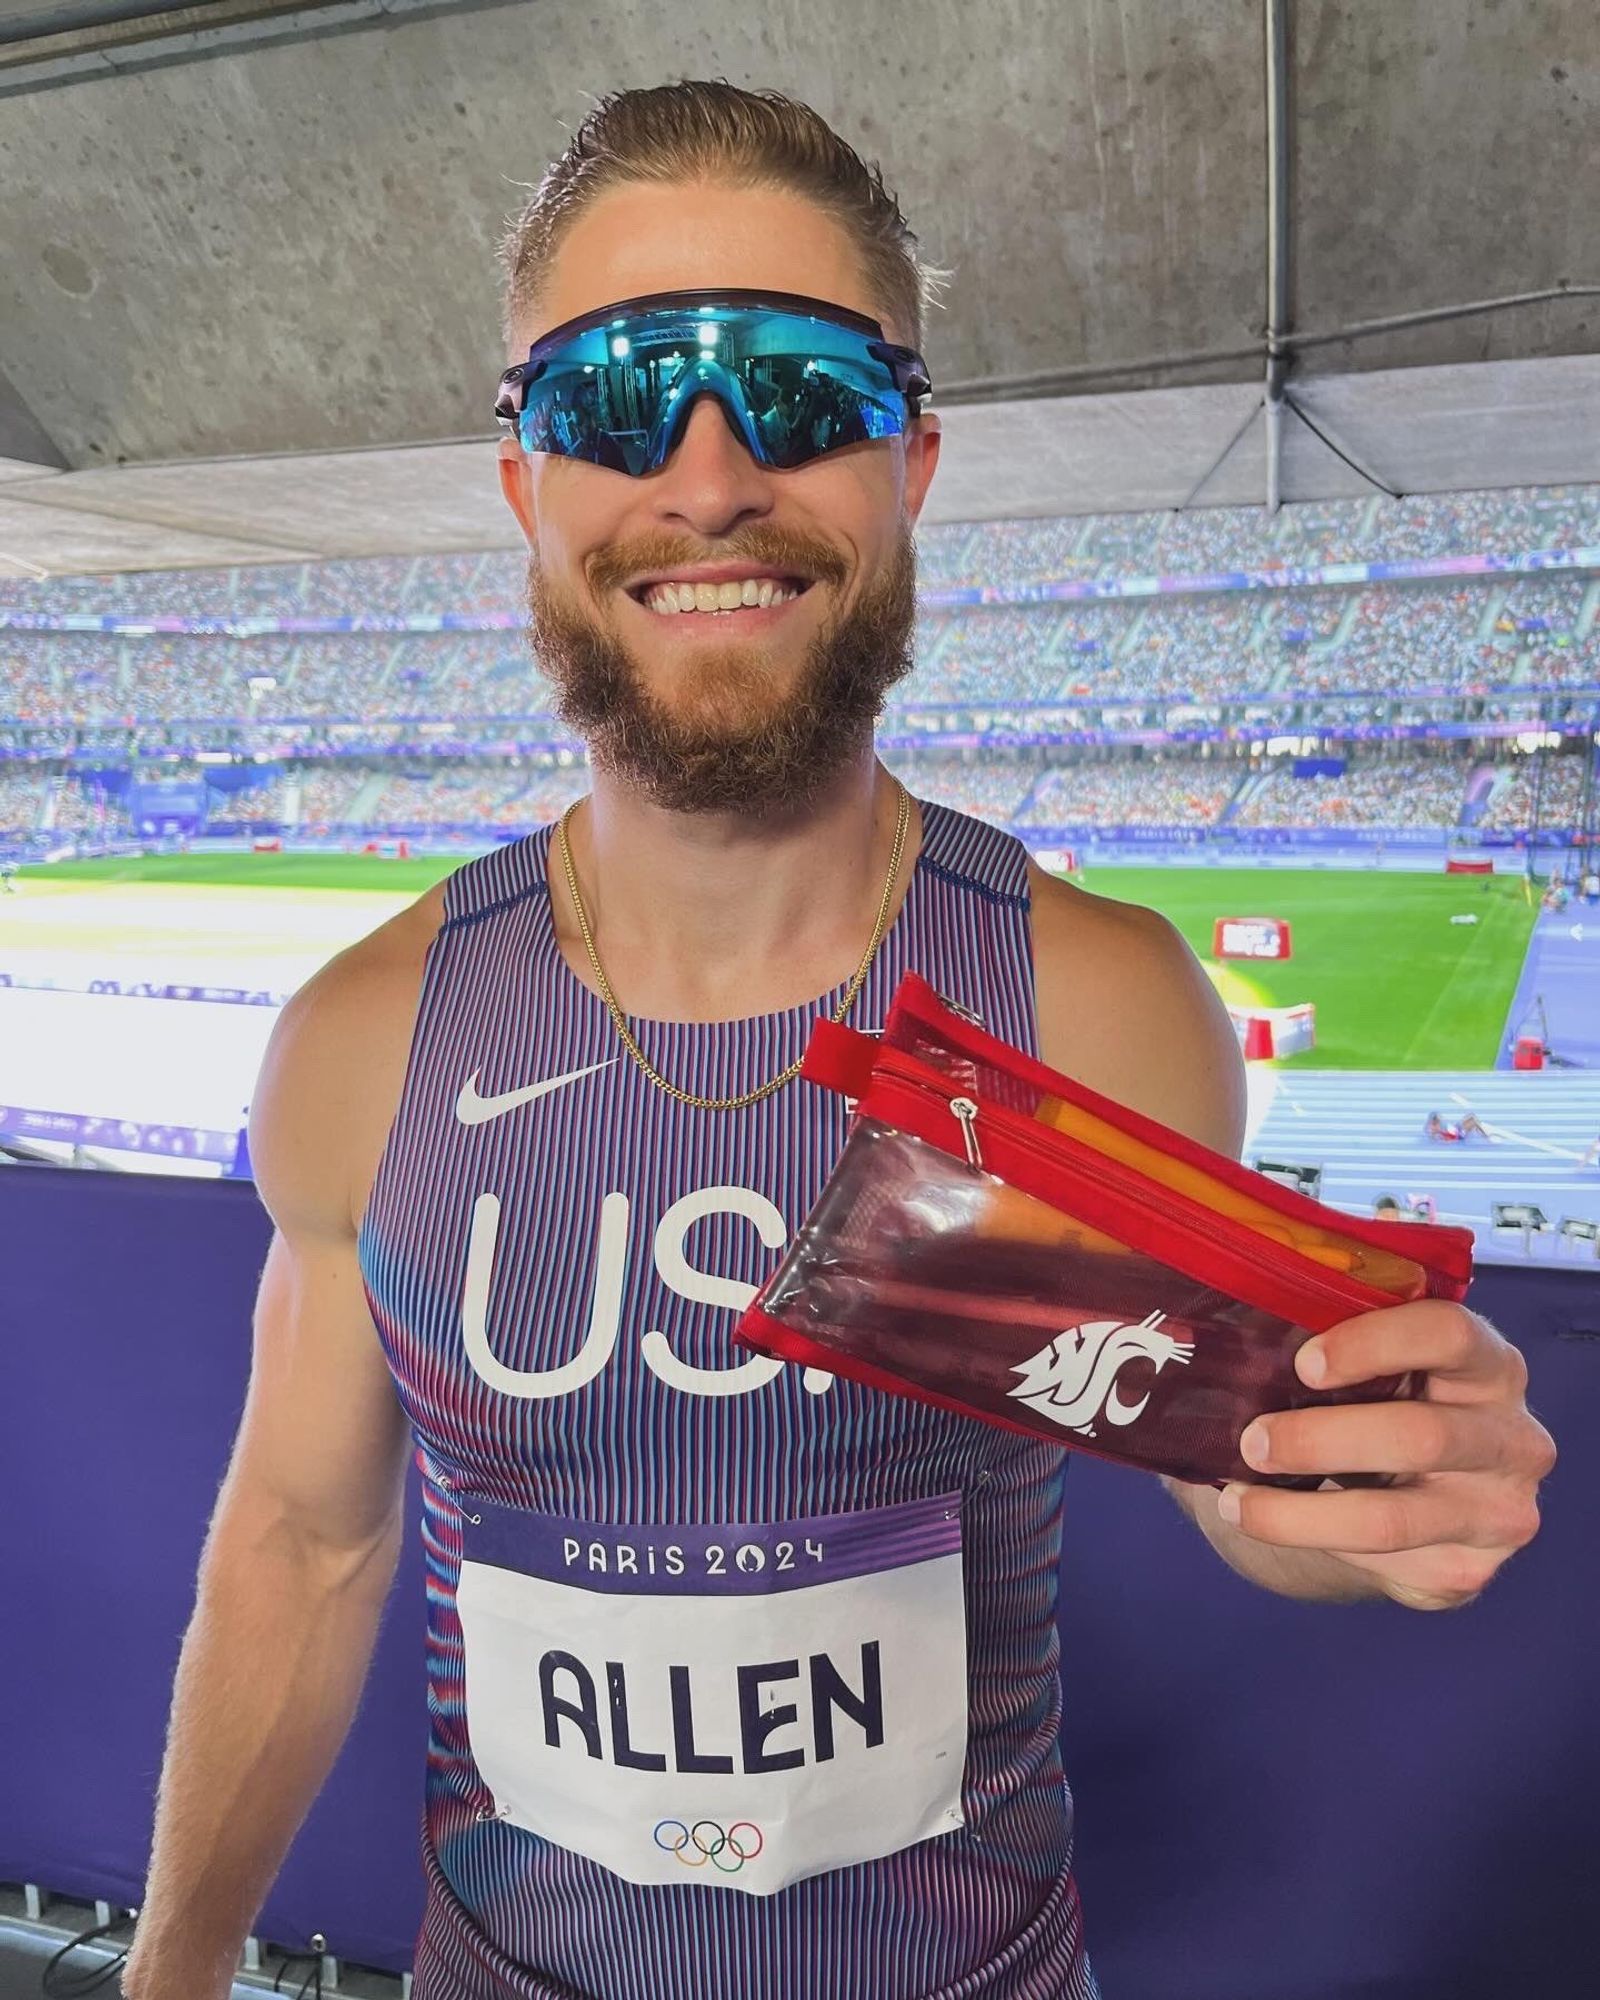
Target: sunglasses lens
(803, 407)
(593, 415)
(801, 398)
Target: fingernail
(1230, 1503)
(1253, 1446)
(1313, 1363)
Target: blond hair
(695, 130)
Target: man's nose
(711, 470)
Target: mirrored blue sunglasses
(796, 377)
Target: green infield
(1395, 983)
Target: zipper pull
(967, 1112)
(956, 1008)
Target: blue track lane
(1365, 1129)
(1563, 969)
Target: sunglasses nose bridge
(703, 378)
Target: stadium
(547, 1460)
(210, 780)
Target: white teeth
(713, 598)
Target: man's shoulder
(1124, 1005)
(378, 976)
(332, 1075)
(1101, 938)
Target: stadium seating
(1174, 791)
(22, 797)
(988, 785)
(1559, 798)
(1385, 639)
(1503, 649)
(1397, 792)
(960, 555)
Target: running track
(1364, 1128)
(1562, 968)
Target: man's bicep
(322, 1444)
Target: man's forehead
(643, 239)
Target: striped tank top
(555, 1273)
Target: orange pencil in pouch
(1000, 1241)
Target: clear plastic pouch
(1002, 1242)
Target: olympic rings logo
(705, 1841)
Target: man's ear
(922, 440)
(517, 485)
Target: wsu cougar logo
(1074, 1379)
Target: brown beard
(727, 746)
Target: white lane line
(1505, 1132)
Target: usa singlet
(742, 1678)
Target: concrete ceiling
(248, 299)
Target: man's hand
(1468, 1454)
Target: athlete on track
(1453, 1131)
(494, 1228)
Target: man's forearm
(1305, 1573)
(268, 1680)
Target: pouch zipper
(1446, 1265)
(1186, 1219)
(967, 1112)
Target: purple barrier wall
(127, 1309)
(1277, 1801)
(1285, 1801)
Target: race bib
(737, 1706)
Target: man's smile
(731, 608)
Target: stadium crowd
(1013, 788)
(1389, 640)
(1395, 791)
(79, 811)
(262, 805)
(22, 796)
(1400, 638)
(1170, 791)
(1005, 655)
(1198, 646)
(990, 784)
(1501, 650)
(499, 795)
(1200, 541)
(443, 794)
(327, 792)
(1558, 794)
(1471, 639)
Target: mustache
(612, 567)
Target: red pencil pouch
(1002, 1242)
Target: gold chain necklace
(766, 1089)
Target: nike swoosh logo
(472, 1109)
